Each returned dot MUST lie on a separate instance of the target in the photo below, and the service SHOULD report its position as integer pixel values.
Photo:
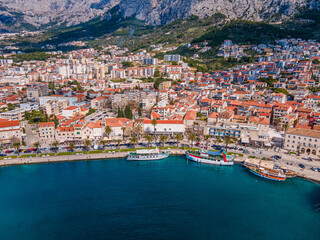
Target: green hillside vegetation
(134, 34)
(245, 32)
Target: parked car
(314, 169)
(302, 166)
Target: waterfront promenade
(304, 173)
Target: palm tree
(36, 146)
(55, 145)
(163, 139)
(123, 130)
(133, 141)
(207, 137)
(218, 139)
(138, 130)
(16, 145)
(149, 139)
(285, 126)
(108, 131)
(178, 138)
(191, 138)
(72, 146)
(119, 141)
(87, 144)
(229, 140)
(103, 143)
(154, 123)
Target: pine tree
(120, 113)
(128, 112)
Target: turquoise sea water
(167, 199)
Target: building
(36, 91)
(63, 134)
(190, 117)
(117, 125)
(71, 111)
(55, 107)
(45, 99)
(92, 131)
(150, 61)
(168, 127)
(171, 58)
(302, 140)
(16, 114)
(9, 129)
(46, 132)
(165, 85)
(98, 103)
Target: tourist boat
(268, 170)
(148, 155)
(210, 157)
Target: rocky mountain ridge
(45, 13)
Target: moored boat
(148, 155)
(210, 157)
(268, 170)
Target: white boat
(148, 155)
(209, 157)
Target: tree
(149, 139)
(119, 141)
(123, 131)
(87, 144)
(163, 139)
(207, 137)
(139, 112)
(128, 112)
(120, 113)
(103, 143)
(72, 146)
(178, 138)
(55, 145)
(154, 123)
(192, 138)
(138, 130)
(285, 126)
(281, 90)
(127, 64)
(229, 140)
(11, 106)
(108, 131)
(91, 111)
(36, 146)
(156, 73)
(133, 141)
(16, 144)
(56, 121)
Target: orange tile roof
(46, 124)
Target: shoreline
(116, 155)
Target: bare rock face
(43, 12)
(158, 12)
(154, 12)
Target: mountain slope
(47, 13)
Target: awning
(245, 140)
